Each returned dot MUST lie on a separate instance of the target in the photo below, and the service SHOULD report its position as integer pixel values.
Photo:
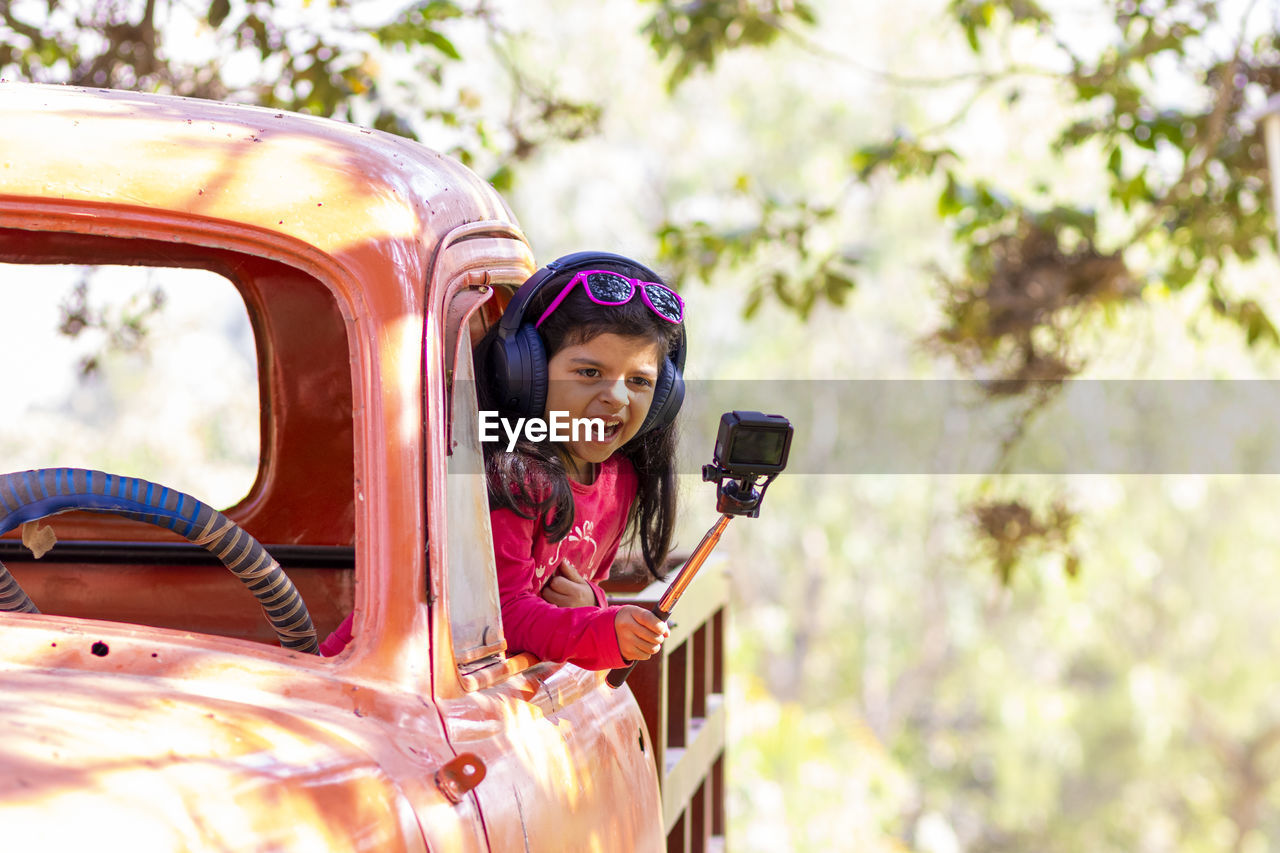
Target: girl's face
(610, 377)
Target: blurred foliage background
(1006, 191)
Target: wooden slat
(678, 687)
(700, 665)
(646, 682)
(687, 768)
(678, 837)
(717, 798)
(717, 653)
(697, 817)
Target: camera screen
(757, 447)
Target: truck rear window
(138, 370)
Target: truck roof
(330, 185)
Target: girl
(596, 336)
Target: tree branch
(983, 78)
(20, 27)
(1195, 164)
(1200, 156)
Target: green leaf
(502, 178)
(218, 12)
(417, 26)
(440, 43)
(440, 10)
(837, 287)
(1255, 322)
(949, 200)
(696, 34)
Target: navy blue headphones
(518, 360)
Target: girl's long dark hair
(531, 480)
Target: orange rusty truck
(145, 701)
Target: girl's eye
(642, 381)
(589, 372)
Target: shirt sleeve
(584, 636)
(338, 640)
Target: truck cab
(149, 698)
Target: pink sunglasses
(610, 288)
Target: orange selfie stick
(668, 601)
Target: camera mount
(736, 495)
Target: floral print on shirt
(584, 535)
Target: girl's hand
(567, 588)
(640, 633)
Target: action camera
(751, 444)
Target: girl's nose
(615, 395)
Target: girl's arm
(338, 640)
(584, 636)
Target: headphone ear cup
(520, 372)
(535, 403)
(668, 396)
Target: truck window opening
(156, 371)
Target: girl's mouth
(611, 430)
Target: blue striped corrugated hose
(32, 495)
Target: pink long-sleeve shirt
(527, 562)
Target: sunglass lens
(664, 302)
(608, 288)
